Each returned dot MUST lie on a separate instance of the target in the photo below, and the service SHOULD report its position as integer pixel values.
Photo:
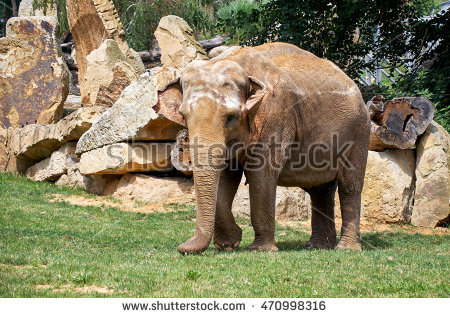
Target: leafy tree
(342, 31)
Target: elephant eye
(231, 121)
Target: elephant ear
(256, 92)
(170, 99)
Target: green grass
(62, 247)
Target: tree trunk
(212, 43)
(397, 123)
(15, 12)
(180, 157)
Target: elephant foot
(227, 240)
(348, 246)
(270, 247)
(194, 245)
(320, 243)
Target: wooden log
(156, 53)
(70, 62)
(397, 123)
(180, 157)
(146, 56)
(67, 47)
(212, 43)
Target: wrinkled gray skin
(274, 93)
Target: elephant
(280, 104)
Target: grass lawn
(55, 249)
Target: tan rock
(26, 9)
(431, 205)
(72, 104)
(140, 113)
(34, 76)
(151, 189)
(91, 22)
(290, 204)
(54, 166)
(388, 187)
(73, 178)
(38, 142)
(178, 45)
(107, 74)
(122, 158)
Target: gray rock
(130, 117)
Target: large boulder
(140, 113)
(26, 9)
(122, 158)
(152, 189)
(54, 166)
(38, 142)
(431, 205)
(108, 73)
(290, 203)
(35, 79)
(178, 45)
(91, 22)
(388, 187)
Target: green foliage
(60, 6)
(48, 249)
(425, 7)
(233, 18)
(82, 278)
(342, 31)
(141, 17)
(192, 275)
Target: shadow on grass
(377, 240)
(295, 245)
(369, 242)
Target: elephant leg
(323, 233)
(350, 209)
(350, 185)
(227, 234)
(263, 188)
(350, 188)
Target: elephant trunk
(207, 162)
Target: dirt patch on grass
(104, 202)
(17, 266)
(139, 207)
(84, 290)
(368, 226)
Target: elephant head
(218, 97)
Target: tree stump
(397, 123)
(181, 159)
